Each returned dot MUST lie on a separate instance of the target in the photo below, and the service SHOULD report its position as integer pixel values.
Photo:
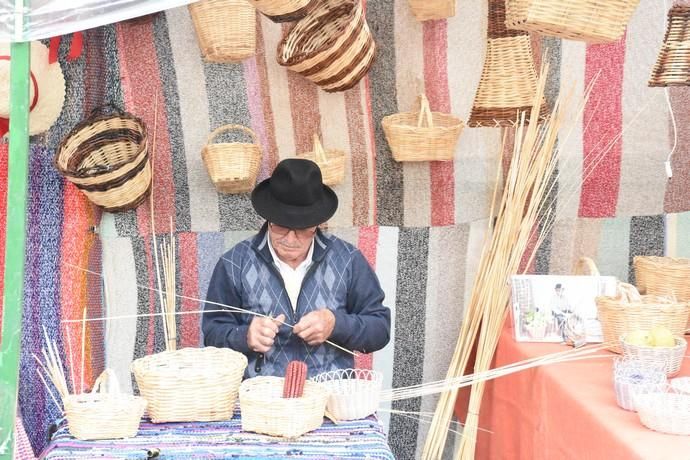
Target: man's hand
(262, 333)
(316, 327)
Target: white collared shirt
(292, 277)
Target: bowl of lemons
(657, 346)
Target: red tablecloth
(564, 411)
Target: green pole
(17, 178)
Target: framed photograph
(550, 308)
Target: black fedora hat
(295, 196)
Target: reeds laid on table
(284, 10)
(232, 166)
(672, 66)
(225, 29)
(331, 162)
(425, 10)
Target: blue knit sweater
(339, 278)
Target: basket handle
(628, 293)
(106, 383)
(424, 112)
(107, 109)
(319, 152)
(225, 128)
(586, 266)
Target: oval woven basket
(106, 156)
(105, 413)
(354, 393)
(225, 29)
(191, 384)
(631, 377)
(594, 21)
(663, 276)
(669, 358)
(664, 412)
(425, 10)
(332, 45)
(422, 135)
(233, 166)
(331, 162)
(265, 411)
(284, 10)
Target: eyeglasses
(301, 233)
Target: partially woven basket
(225, 29)
(265, 411)
(331, 46)
(664, 412)
(425, 10)
(232, 166)
(669, 358)
(422, 135)
(594, 21)
(631, 377)
(105, 413)
(106, 156)
(331, 162)
(284, 10)
(354, 393)
(663, 276)
(672, 66)
(191, 384)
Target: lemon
(662, 337)
(639, 338)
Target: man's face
(291, 244)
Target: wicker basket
(106, 156)
(670, 358)
(355, 393)
(225, 29)
(594, 21)
(680, 385)
(331, 162)
(233, 166)
(672, 66)
(619, 316)
(105, 413)
(631, 377)
(331, 46)
(191, 384)
(664, 412)
(425, 10)
(265, 411)
(284, 10)
(422, 135)
(663, 276)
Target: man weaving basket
(295, 273)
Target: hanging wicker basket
(233, 166)
(284, 10)
(331, 46)
(105, 413)
(331, 162)
(594, 21)
(422, 135)
(425, 10)
(191, 384)
(672, 66)
(225, 29)
(106, 156)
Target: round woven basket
(233, 166)
(331, 46)
(663, 276)
(283, 10)
(594, 21)
(331, 162)
(225, 29)
(105, 413)
(425, 10)
(265, 411)
(422, 135)
(664, 412)
(191, 384)
(670, 358)
(631, 377)
(354, 393)
(106, 156)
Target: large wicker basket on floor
(331, 46)
(663, 276)
(265, 411)
(422, 135)
(191, 384)
(331, 162)
(594, 21)
(233, 166)
(284, 10)
(672, 66)
(225, 29)
(105, 413)
(425, 10)
(106, 156)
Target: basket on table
(354, 393)
(191, 384)
(632, 377)
(664, 412)
(332, 45)
(105, 413)
(265, 411)
(233, 166)
(594, 21)
(106, 156)
(425, 10)
(669, 358)
(284, 10)
(423, 135)
(663, 276)
(628, 311)
(225, 29)
(331, 162)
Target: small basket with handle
(233, 166)
(331, 162)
